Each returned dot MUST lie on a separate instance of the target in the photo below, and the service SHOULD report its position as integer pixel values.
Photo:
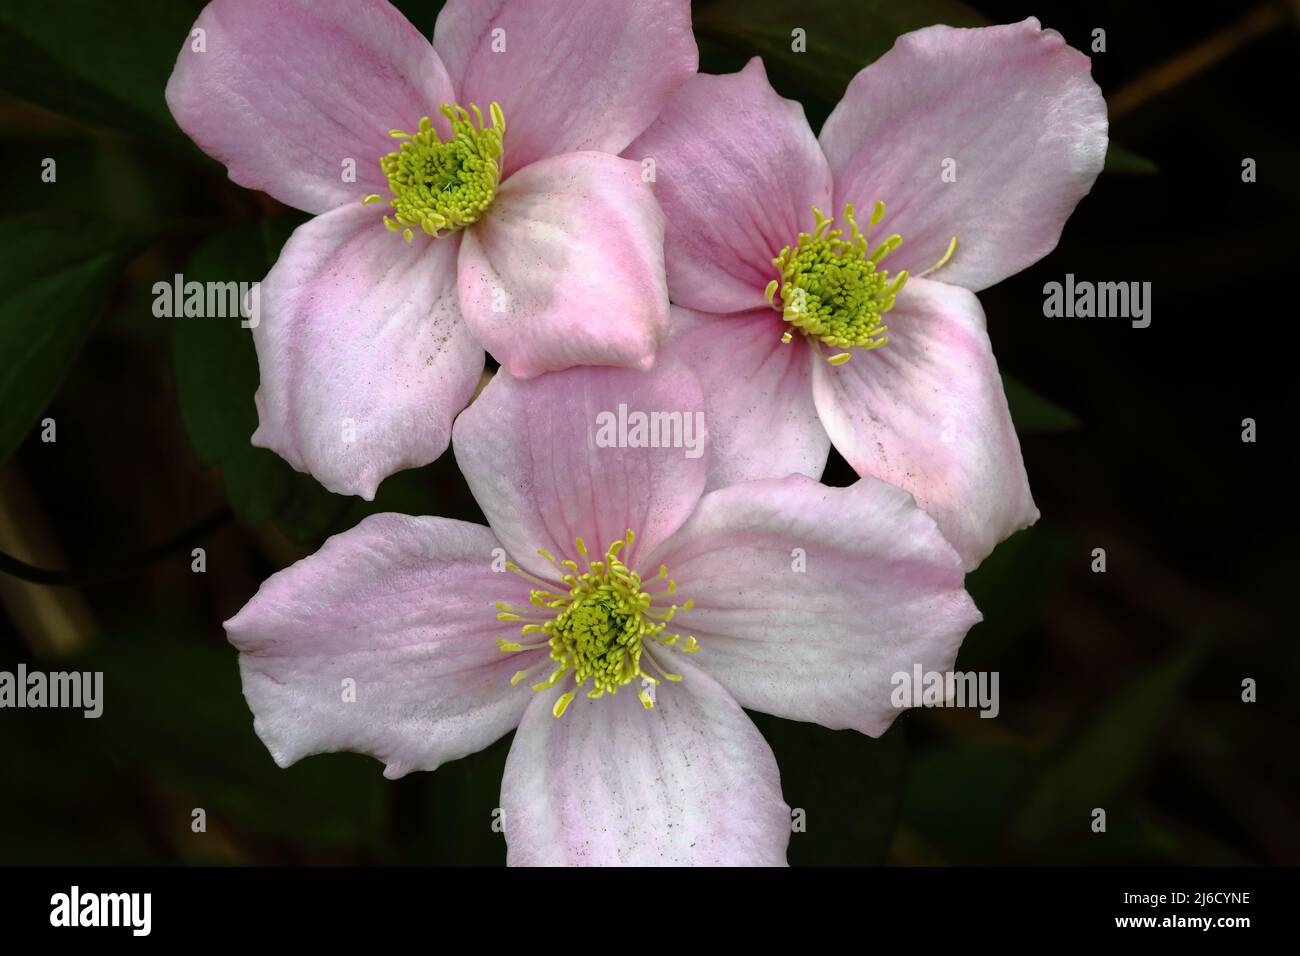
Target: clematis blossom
(616, 617)
(467, 195)
(824, 286)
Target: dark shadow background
(1120, 690)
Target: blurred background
(1120, 690)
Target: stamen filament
(952, 247)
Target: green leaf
(970, 829)
(257, 483)
(55, 275)
(1099, 762)
(1121, 160)
(459, 819)
(841, 38)
(847, 785)
(310, 514)
(54, 769)
(193, 732)
(1033, 414)
(1012, 587)
(216, 375)
(410, 492)
(423, 14)
(78, 189)
(96, 176)
(104, 63)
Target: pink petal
(927, 413)
(403, 608)
(288, 90)
(531, 453)
(1013, 106)
(577, 75)
(878, 590)
(758, 400)
(364, 358)
(689, 782)
(738, 171)
(567, 268)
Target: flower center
(833, 288)
(602, 629)
(441, 186)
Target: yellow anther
(602, 627)
(831, 287)
(441, 186)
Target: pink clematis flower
(973, 146)
(468, 194)
(647, 615)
